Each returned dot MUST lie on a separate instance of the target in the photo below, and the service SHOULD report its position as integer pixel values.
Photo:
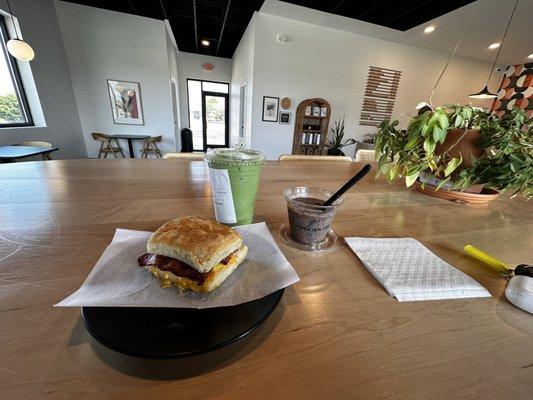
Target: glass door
(215, 112)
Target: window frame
(16, 80)
(211, 93)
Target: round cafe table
(336, 333)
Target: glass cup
(234, 175)
(309, 221)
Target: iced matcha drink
(234, 175)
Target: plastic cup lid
(234, 155)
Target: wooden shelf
(318, 132)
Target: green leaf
(429, 145)
(439, 134)
(442, 183)
(410, 179)
(452, 166)
(458, 121)
(393, 173)
(443, 121)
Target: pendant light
(17, 47)
(485, 93)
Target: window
(14, 110)
(208, 113)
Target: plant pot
(432, 181)
(335, 152)
(485, 196)
(456, 145)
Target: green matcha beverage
(234, 175)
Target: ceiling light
(494, 46)
(205, 43)
(429, 29)
(483, 94)
(530, 56)
(17, 47)
(20, 50)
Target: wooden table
(130, 139)
(336, 333)
(12, 153)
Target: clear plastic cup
(309, 225)
(234, 175)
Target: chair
(297, 157)
(35, 143)
(150, 147)
(106, 145)
(362, 155)
(184, 156)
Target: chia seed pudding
(309, 220)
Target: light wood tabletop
(336, 333)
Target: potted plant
(336, 142)
(458, 147)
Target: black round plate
(175, 332)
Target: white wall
(333, 64)
(172, 55)
(100, 45)
(40, 28)
(242, 74)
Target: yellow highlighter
(491, 261)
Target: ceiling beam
(133, 8)
(223, 26)
(195, 24)
(338, 5)
(165, 16)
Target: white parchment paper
(117, 281)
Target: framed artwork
(284, 117)
(308, 111)
(270, 108)
(323, 111)
(316, 111)
(126, 105)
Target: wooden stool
(150, 147)
(106, 145)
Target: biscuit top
(197, 241)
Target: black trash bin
(186, 140)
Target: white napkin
(117, 281)
(410, 272)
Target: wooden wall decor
(311, 127)
(380, 94)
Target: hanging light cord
(503, 40)
(442, 73)
(13, 20)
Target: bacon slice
(173, 265)
(176, 266)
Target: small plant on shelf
(336, 141)
(458, 148)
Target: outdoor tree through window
(13, 105)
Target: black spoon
(348, 185)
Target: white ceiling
(477, 24)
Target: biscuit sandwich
(193, 253)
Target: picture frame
(285, 117)
(126, 102)
(308, 111)
(323, 111)
(270, 109)
(316, 111)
